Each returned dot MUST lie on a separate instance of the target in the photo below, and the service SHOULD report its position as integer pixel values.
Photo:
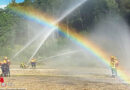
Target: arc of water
(64, 15)
(44, 39)
(53, 29)
(70, 52)
(29, 43)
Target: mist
(63, 44)
(112, 34)
(26, 42)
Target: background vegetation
(84, 18)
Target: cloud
(3, 6)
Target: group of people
(5, 67)
(32, 62)
(113, 64)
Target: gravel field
(62, 79)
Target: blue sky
(6, 2)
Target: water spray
(29, 43)
(54, 28)
(65, 53)
(40, 34)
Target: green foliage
(124, 6)
(11, 25)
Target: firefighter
(33, 63)
(6, 67)
(114, 65)
(22, 65)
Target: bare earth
(59, 79)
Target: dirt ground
(59, 79)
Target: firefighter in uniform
(33, 63)
(5, 67)
(22, 65)
(114, 65)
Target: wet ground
(63, 79)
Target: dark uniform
(33, 63)
(5, 70)
(5, 67)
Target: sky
(4, 3)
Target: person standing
(33, 63)
(6, 67)
(114, 64)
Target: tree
(27, 2)
(13, 1)
(124, 6)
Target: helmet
(4, 61)
(5, 57)
(112, 56)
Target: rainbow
(44, 19)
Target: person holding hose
(6, 67)
(33, 63)
(114, 64)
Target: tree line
(82, 19)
